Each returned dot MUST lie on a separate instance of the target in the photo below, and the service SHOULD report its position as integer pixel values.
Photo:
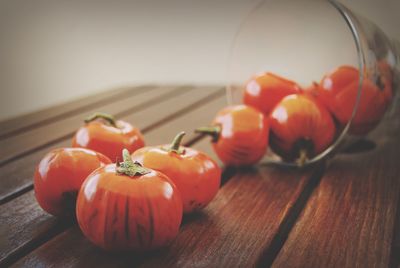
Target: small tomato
(125, 206)
(311, 90)
(265, 90)
(59, 176)
(300, 128)
(338, 92)
(104, 134)
(195, 174)
(240, 135)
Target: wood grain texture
(23, 236)
(29, 141)
(24, 224)
(395, 251)
(350, 218)
(16, 176)
(28, 121)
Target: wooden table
(345, 214)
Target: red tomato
(106, 135)
(265, 90)
(129, 207)
(338, 92)
(59, 176)
(195, 174)
(311, 90)
(300, 128)
(240, 135)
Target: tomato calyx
(107, 118)
(130, 168)
(213, 131)
(303, 148)
(175, 146)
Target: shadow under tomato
(128, 258)
(227, 173)
(193, 217)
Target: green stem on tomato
(130, 168)
(176, 143)
(213, 131)
(107, 117)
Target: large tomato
(240, 135)
(106, 135)
(128, 207)
(195, 174)
(265, 90)
(300, 128)
(338, 92)
(59, 176)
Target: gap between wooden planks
(16, 177)
(29, 225)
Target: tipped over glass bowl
(323, 75)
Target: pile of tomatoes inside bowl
(300, 123)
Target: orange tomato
(240, 135)
(338, 92)
(108, 136)
(129, 207)
(300, 128)
(265, 90)
(59, 176)
(195, 174)
(311, 90)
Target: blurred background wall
(56, 51)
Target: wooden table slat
(350, 218)
(395, 251)
(22, 234)
(28, 121)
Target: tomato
(265, 90)
(59, 176)
(106, 135)
(195, 174)
(300, 128)
(311, 90)
(240, 135)
(129, 207)
(338, 92)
